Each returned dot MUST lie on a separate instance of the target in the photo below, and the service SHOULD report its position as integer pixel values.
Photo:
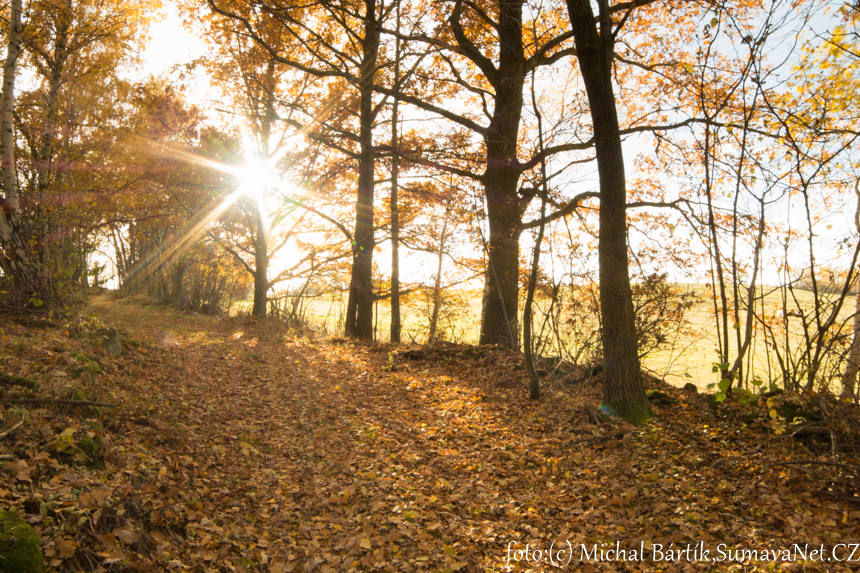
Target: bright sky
(171, 45)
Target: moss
(19, 545)
(634, 411)
(85, 411)
(92, 448)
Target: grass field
(687, 356)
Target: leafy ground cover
(236, 446)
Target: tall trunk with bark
(500, 179)
(359, 308)
(10, 206)
(261, 267)
(534, 381)
(56, 65)
(852, 361)
(622, 384)
(267, 117)
(395, 210)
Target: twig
(814, 462)
(17, 425)
(55, 401)
(839, 497)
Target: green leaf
(720, 396)
(714, 22)
(724, 385)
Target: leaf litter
(238, 446)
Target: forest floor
(239, 446)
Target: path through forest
(240, 447)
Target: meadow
(688, 354)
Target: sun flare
(256, 177)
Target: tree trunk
(534, 381)
(359, 307)
(437, 286)
(501, 287)
(56, 66)
(395, 210)
(261, 240)
(622, 383)
(10, 206)
(852, 361)
(261, 267)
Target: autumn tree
(595, 38)
(76, 42)
(483, 55)
(339, 42)
(250, 77)
(10, 206)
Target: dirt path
(249, 450)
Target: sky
(171, 44)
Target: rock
(692, 388)
(19, 545)
(595, 370)
(659, 397)
(113, 344)
(791, 411)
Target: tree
(10, 206)
(487, 62)
(595, 51)
(339, 42)
(254, 80)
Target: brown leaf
(126, 536)
(67, 548)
